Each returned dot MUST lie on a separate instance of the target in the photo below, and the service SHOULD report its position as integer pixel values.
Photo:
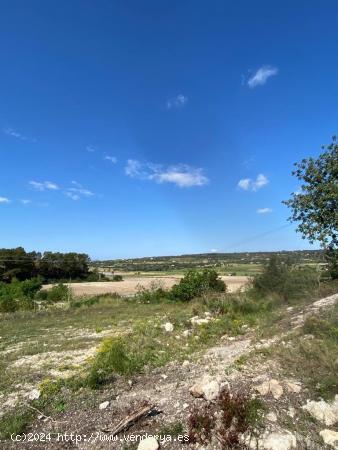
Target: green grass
(312, 354)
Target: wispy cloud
(44, 185)
(4, 200)
(77, 191)
(177, 102)
(264, 210)
(261, 76)
(181, 175)
(248, 184)
(11, 132)
(25, 201)
(112, 159)
(90, 148)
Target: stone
(209, 389)
(278, 441)
(168, 327)
(271, 416)
(149, 443)
(185, 363)
(293, 387)
(330, 437)
(197, 321)
(186, 333)
(104, 405)
(34, 394)
(326, 413)
(270, 386)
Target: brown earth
(130, 285)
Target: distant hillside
(219, 260)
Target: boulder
(278, 441)
(330, 437)
(326, 413)
(207, 388)
(149, 443)
(270, 386)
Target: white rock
(103, 405)
(326, 413)
(270, 386)
(164, 376)
(278, 441)
(197, 321)
(168, 327)
(149, 443)
(185, 363)
(185, 405)
(271, 416)
(186, 333)
(293, 387)
(207, 388)
(330, 437)
(34, 394)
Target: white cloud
(182, 175)
(25, 201)
(214, 250)
(44, 185)
(261, 76)
(177, 102)
(244, 184)
(16, 134)
(260, 182)
(75, 193)
(4, 200)
(133, 168)
(264, 210)
(90, 148)
(112, 159)
(247, 184)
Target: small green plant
(14, 423)
(195, 284)
(173, 429)
(238, 414)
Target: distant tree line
(17, 264)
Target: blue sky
(133, 128)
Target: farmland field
(131, 284)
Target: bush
(117, 278)
(285, 280)
(18, 294)
(58, 293)
(196, 283)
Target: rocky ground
(290, 419)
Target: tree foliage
(17, 264)
(315, 206)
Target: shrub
(237, 413)
(117, 278)
(58, 293)
(285, 280)
(18, 294)
(196, 283)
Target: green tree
(315, 206)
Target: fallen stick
(128, 421)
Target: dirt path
(169, 389)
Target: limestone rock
(207, 388)
(326, 413)
(278, 441)
(104, 405)
(330, 437)
(168, 327)
(270, 386)
(149, 443)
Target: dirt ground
(130, 285)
